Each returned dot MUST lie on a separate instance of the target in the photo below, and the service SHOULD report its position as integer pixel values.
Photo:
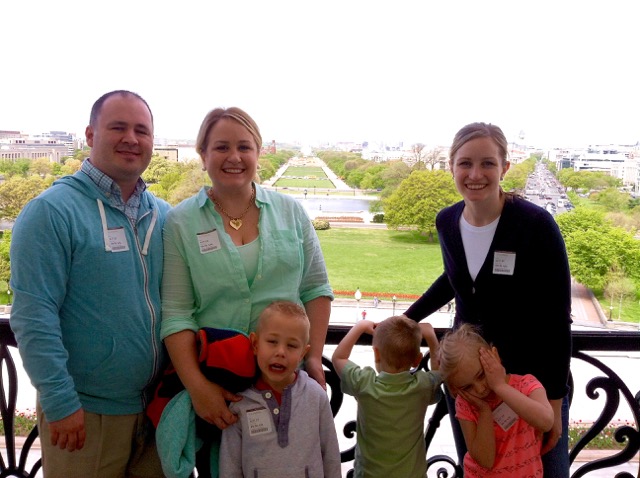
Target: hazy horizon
(562, 73)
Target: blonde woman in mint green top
(230, 251)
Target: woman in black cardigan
(506, 266)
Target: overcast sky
(564, 72)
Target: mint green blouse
(204, 282)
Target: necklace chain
(235, 222)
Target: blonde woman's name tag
(504, 263)
(208, 241)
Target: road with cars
(546, 191)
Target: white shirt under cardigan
(476, 241)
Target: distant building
(54, 145)
(173, 150)
(269, 149)
(4, 134)
(167, 152)
(619, 161)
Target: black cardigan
(527, 315)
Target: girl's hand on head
(493, 369)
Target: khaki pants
(116, 446)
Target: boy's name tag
(504, 263)
(208, 241)
(117, 239)
(504, 416)
(259, 421)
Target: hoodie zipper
(152, 311)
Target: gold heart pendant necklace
(234, 222)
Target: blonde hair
(463, 342)
(233, 113)
(287, 309)
(398, 340)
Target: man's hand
(68, 433)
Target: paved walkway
(586, 310)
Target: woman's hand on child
(210, 404)
(314, 368)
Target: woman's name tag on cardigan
(208, 241)
(504, 263)
(259, 421)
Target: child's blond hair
(456, 344)
(398, 340)
(287, 309)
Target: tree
(18, 167)
(41, 166)
(417, 152)
(432, 158)
(337, 161)
(158, 167)
(354, 177)
(618, 287)
(613, 200)
(418, 200)
(516, 177)
(392, 176)
(372, 178)
(265, 169)
(191, 180)
(587, 180)
(70, 166)
(18, 191)
(595, 247)
(5, 267)
(271, 162)
(82, 154)
(56, 169)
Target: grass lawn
(399, 262)
(379, 261)
(305, 183)
(629, 312)
(303, 171)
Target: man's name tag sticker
(259, 421)
(117, 240)
(208, 241)
(504, 263)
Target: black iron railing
(605, 383)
